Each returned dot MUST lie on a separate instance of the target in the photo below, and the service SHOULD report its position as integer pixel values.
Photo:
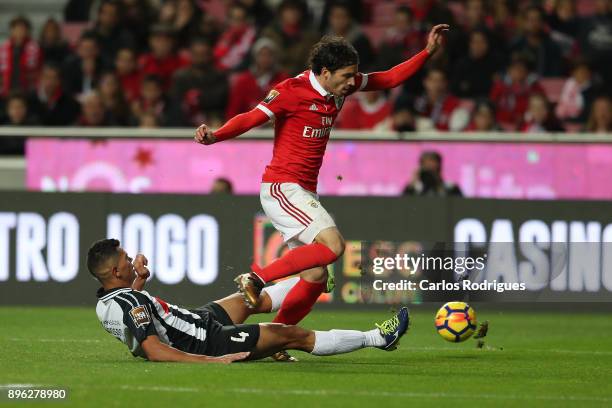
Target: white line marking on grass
(58, 340)
(2, 386)
(560, 351)
(377, 394)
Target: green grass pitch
(548, 360)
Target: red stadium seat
(72, 31)
(585, 7)
(552, 88)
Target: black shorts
(222, 335)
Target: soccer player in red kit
(303, 110)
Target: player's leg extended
(328, 246)
(275, 337)
(298, 215)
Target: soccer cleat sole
(284, 357)
(248, 291)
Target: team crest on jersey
(271, 95)
(339, 101)
(313, 204)
(140, 316)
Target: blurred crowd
(506, 65)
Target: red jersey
(303, 114)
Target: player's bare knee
(335, 242)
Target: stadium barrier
(197, 244)
(495, 165)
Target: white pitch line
(376, 394)
(3, 386)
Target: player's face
(340, 82)
(124, 266)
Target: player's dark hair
(333, 53)
(100, 252)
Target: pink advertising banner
(494, 170)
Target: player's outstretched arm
(236, 126)
(393, 77)
(160, 352)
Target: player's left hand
(435, 37)
(140, 265)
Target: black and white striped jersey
(131, 316)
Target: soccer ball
(456, 321)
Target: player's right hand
(204, 135)
(230, 358)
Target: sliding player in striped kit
(304, 109)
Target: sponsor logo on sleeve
(140, 316)
(271, 95)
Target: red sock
(297, 260)
(299, 301)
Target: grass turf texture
(548, 359)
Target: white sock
(332, 342)
(278, 291)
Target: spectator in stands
(403, 118)
(148, 120)
(401, 41)
(341, 23)
(511, 93)
(595, 40)
(535, 44)
(540, 117)
(564, 25)
(163, 60)
(82, 70)
(113, 99)
(222, 186)
(200, 90)
(600, 118)
(138, 16)
(483, 118)
(504, 14)
(577, 94)
(473, 74)
(475, 19)
(366, 110)
(110, 31)
(152, 100)
(184, 16)
(51, 105)
(126, 68)
(78, 11)
(292, 36)
(16, 115)
(54, 47)
(260, 12)
(251, 86)
(436, 104)
(93, 113)
(232, 49)
(20, 59)
(17, 112)
(427, 179)
(431, 12)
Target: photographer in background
(427, 180)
